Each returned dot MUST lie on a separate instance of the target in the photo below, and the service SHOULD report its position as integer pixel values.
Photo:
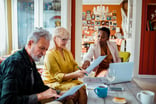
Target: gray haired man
(20, 83)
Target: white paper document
(95, 63)
(94, 80)
(70, 92)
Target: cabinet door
(148, 45)
(147, 53)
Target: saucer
(119, 100)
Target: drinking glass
(110, 76)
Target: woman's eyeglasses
(63, 39)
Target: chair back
(124, 56)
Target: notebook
(123, 71)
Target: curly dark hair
(106, 30)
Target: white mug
(146, 97)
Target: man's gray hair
(38, 33)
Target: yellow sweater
(55, 66)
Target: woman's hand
(74, 75)
(80, 73)
(86, 64)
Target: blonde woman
(61, 70)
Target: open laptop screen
(123, 71)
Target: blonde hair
(61, 32)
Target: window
(3, 29)
(25, 20)
(28, 14)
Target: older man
(20, 83)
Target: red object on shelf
(56, 17)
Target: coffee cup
(146, 97)
(101, 91)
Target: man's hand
(50, 93)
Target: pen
(81, 69)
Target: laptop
(123, 71)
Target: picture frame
(96, 28)
(88, 22)
(107, 23)
(88, 12)
(83, 13)
(102, 22)
(92, 22)
(114, 24)
(108, 17)
(97, 23)
(103, 17)
(97, 17)
(114, 18)
(88, 17)
(92, 16)
(83, 17)
(110, 23)
(84, 23)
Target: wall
(78, 30)
(117, 8)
